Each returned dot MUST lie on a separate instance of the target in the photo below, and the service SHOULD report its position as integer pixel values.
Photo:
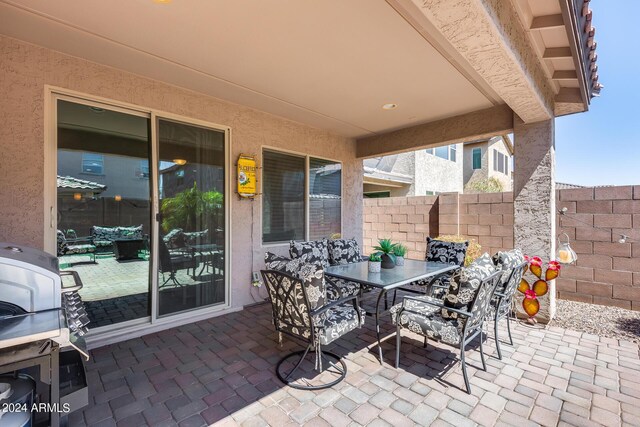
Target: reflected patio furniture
(430, 318)
(171, 263)
(75, 246)
(302, 311)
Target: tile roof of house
(69, 182)
(565, 186)
(381, 168)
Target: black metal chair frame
(169, 264)
(503, 304)
(273, 279)
(472, 328)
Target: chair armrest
(364, 258)
(499, 294)
(333, 304)
(436, 304)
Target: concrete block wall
(607, 272)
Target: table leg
(382, 294)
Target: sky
(602, 146)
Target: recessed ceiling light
(180, 162)
(389, 106)
(162, 1)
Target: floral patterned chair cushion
(340, 288)
(311, 275)
(464, 284)
(343, 251)
(174, 238)
(104, 236)
(507, 261)
(337, 321)
(195, 237)
(315, 252)
(425, 319)
(452, 253)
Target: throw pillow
(314, 252)
(452, 253)
(343, 251)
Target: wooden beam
(557, 52)
(565, 75)
(547, 21)
(466, 127)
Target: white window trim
(306, 191)
(137, 327)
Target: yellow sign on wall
(246, 176)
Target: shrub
(489, 185)
(473, 251)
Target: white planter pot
(374, 267)
(399, 260)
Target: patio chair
(512, 264)
(75, 246)
(452, 253)
(302, 311)
(171, 263)
(459, 318)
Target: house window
(442, 152)
(284, 201)
(429, 151)
(500, 162)
(477, 158)
(452, 153)
(431, 193)
(93, 163)
(325, 198)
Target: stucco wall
(505, 179)
(436, 174)
(24, 71)
(470, 174)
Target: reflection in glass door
(191, 245)
(104, 209)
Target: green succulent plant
(400, 250)
(375, 257)
(386, 247)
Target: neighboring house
(488, 158)
(418, 173)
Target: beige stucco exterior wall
(433, 173)
(505, 179)
(472, 175)
(25, 69)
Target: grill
(42, 321)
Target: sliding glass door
(191, 193)
(104, 208)
(128, 187)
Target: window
(284, 202)
(377, 194)
(452, 152)
(429, 151)
(500, 162)
(431, 193)
(92, 163)
(325, 198)
(477, 158)
(283, 199)
(442, 152)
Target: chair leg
(464, 367)
(398, 342)
(484, 365)
(495, 332)
(509, 331)
(425, 343)
(339, 365)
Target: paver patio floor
(222, 370)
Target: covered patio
(221, 370)
(159, 102)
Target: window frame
(453, 153)
(473, 155)
(306, 156)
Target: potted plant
(374, 263)
(385, 250)
(400, 251)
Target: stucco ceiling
(331, 64)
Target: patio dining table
(388, 279)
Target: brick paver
(222, 371)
